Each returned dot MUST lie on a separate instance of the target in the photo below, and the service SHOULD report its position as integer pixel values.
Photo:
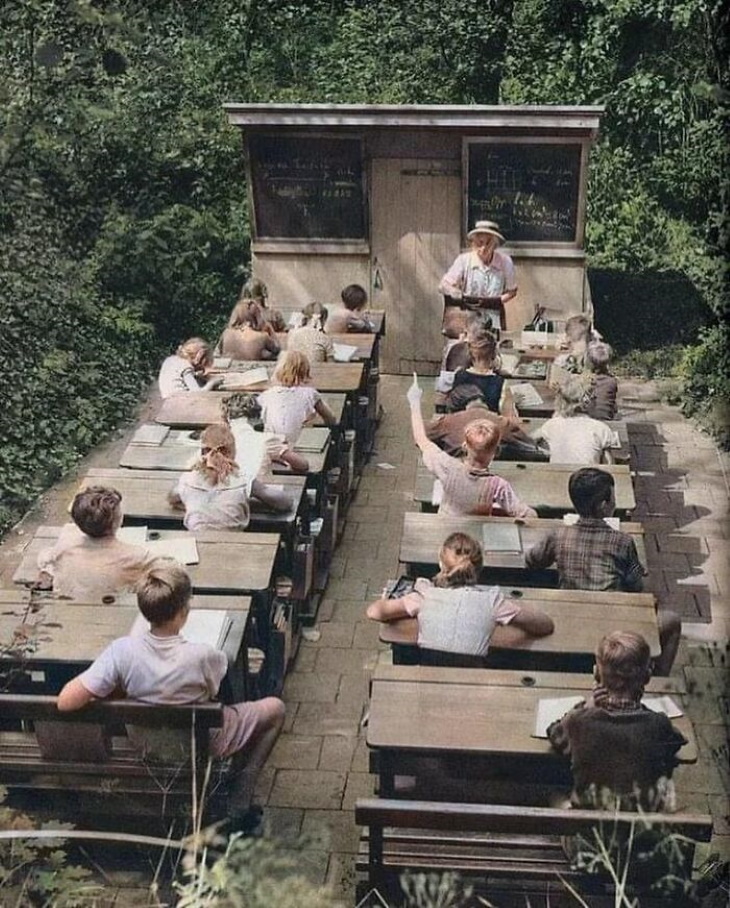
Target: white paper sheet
(571, 519)
(344, 352)
(209, 626)
(550, 709)
(183, 549)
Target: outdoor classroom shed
(383, 196)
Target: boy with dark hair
(161, 666)
(622, 753)
(88, 561)
(349, 316)
(590, 555)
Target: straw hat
(489, 227)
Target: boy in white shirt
(161, 666)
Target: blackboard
(308, 187)
(530, 189)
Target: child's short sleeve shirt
(176, 375)
(223, 506)
(285, 410)
(458, 620)
(157, 670)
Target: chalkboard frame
(308, 243)
(577, 242)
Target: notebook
(550, 709)
(344, 352)
(150, 434)
(204, 625)
(501, 537)
(256, 376)
(313, 439)
(133, 535)
(525, 394)
(437, 495)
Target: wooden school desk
(479, 718)
(620, 454)
(376, 317)
(367, 345)
(180, 449)
(545, 407)
(230, 563)
(423, 535)
(55, 639)
(332, 378)
(145, 499)
(193, 410)
(542, 486)
(582, 618)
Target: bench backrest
(82, 736)
(380, 813)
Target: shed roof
(581, 120)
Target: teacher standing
(484, 277)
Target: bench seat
(71, 760)
(498, 848)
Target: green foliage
(251, 873)
(123, 203)
(37, 872)
(705, 369)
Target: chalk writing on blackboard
(307, 187)
(531, 189)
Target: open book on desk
(571, 519)
(550, 709)
(525, 394)
(150, 434)
(204, 625)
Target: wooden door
(416, 229)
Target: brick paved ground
(319, 766)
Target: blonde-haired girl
(291, 401)
(453, 614)
(214, 493)
(309, 338)
(182, 371)
(248, 335)
(573, 435)
(468, 486)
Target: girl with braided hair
(309, 338)
(454, 614)
(214, 494)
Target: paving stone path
(319, 766)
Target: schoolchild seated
(468, 485)
(88, 561)
(184, 371)
(603, 387)
(161, 666)
(591, 555)
(622, 754)
(454, 615)
(215, 493)
(351, 315)
(571, 434)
